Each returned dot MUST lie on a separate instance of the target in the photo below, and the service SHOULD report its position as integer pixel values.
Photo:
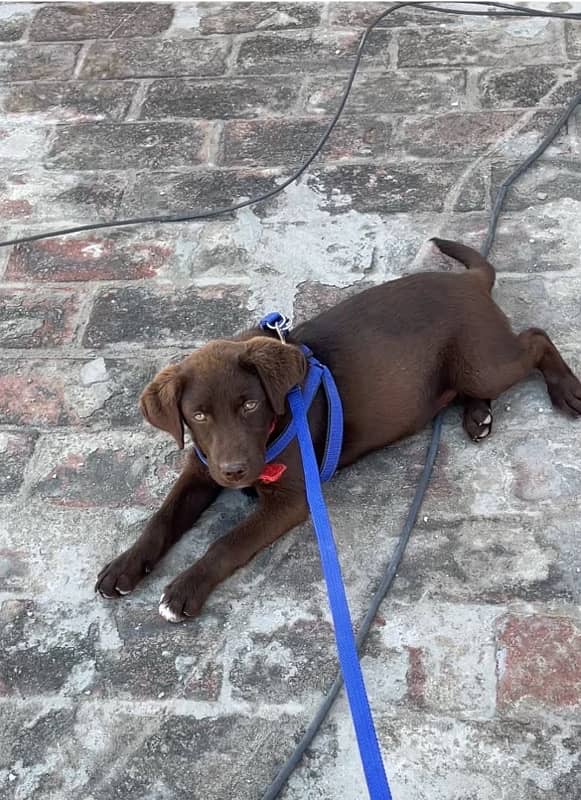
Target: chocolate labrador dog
(399, 353)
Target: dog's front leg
(191, 495)
(276, 514)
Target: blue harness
(300, 400)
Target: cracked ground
(474, 663)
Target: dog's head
(228, 394)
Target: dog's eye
(250, 405)
(199, 416)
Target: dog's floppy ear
(279, 367)
(160, 403)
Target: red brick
(245, 17)
(302, 51)
(539, 662)
(501, 43)
(54, 197)
(15, 451)
(416, 677)
(152, 58)
(111, 470)
(185, 315)
(51, 392)
(41, 62)
(93, 257)
(313, 297)
(78, 101)
(14, 22)
(288, 142)
(61, 22)
(31, 319)
(219, 99)
(152, 145)
(468, 134)
(26, 400)
(360, 15)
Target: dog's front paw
(121, 576)
(185, 596)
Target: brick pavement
(474, 665)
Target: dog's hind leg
(488, 370)
(563, 386)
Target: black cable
(393, 565)
(513, 11)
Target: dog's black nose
(234, 471)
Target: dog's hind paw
(477, 419)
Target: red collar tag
(272, 472)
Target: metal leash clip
(275, 321)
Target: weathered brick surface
(542, 240)
(28, 669)
(59, 196)
(300, 52)
(286, 142)
(15, 450)
(392, 188)
(550, 182)
(351, 15)
(183, 316)
(405, 91)
(526, 87)
(108, 470)
(46, 62)
(468, 134)
(14, 21)
(219, 99)
(79, 393)
(482, 44)
(143, 109)
(155, 661)
(573, 38)
(490, 561)
(246, 17)
(312, 298)
(36, 319)
(174, 192)
(531, 302)
(539, 662)
(92, 257)
(79, 101)
(157, 145)
(100, 21)
(156, 58)
(458, 134)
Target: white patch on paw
(487, 421)
(483, 435)
(167, 613)
(122, 592)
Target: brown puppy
(399, 352)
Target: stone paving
(474, 664)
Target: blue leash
(369, 751)
(299, 404)
(300, 401)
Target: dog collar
(318, 374)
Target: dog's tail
(469, 257)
